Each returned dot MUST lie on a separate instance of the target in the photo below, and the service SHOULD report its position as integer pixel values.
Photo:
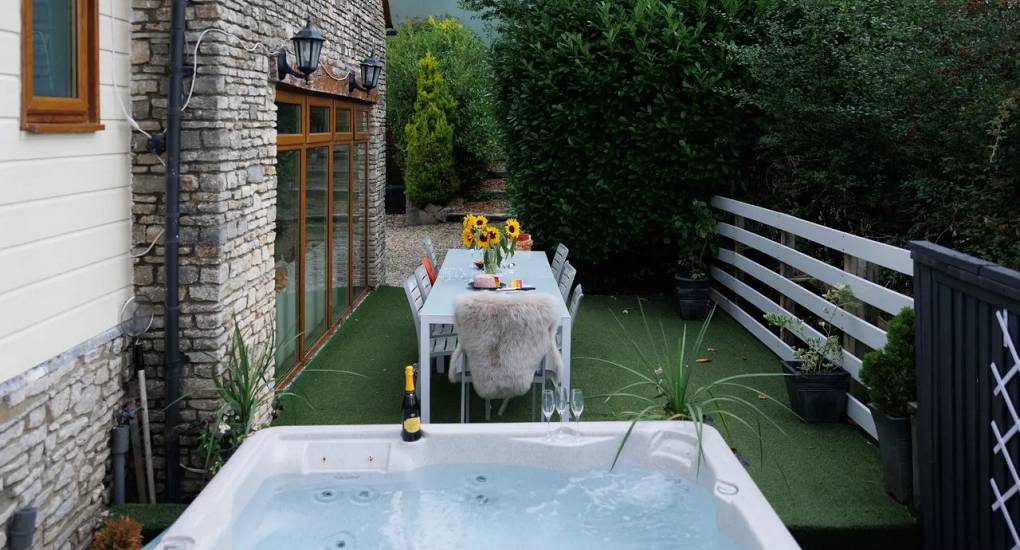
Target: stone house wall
(55, 423)
(228, 179)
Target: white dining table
(457, 271)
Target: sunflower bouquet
(496, 245)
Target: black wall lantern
(307, 48)
(371, 68)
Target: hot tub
(480, 486)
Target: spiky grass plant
(664, 387)
(246, 388)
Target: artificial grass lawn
(825, 481)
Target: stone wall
(228, 178)
(55, 422)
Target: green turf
(823, 480)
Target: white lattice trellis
(1003, 439)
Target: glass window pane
(341, 186)
(316, 201)
(359, 269)
(343, 121)
(54, 48)
(318, 119)
(288, 202)
(362, 121)
(288, 118)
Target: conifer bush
(890, 373)
(430, 177)
(464, 61)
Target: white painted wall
(65, 209)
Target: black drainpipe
(171, 328)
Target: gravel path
(404, 249)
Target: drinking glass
(577, 407)
(562, 401)
(548, 404)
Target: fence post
(869, 272)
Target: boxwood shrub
(619, 127)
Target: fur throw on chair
(504, 337)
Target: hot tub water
(475, 507)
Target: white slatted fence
(861, 331)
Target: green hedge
(619, 124)
(464, 62)
(431, 177)
(893, 119)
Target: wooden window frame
(302, 142)
(357, 110)
(43, 114)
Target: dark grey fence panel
(957, 299)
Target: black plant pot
(817, 397)
(692, 297)
(395, 201)
(894, 444)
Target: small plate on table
(471, 285)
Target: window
(60, 66)
(321, 251)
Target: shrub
(120, 533)
(430, 174)
(617, 127)
(893, 119)
(890, 373)
(464, 62)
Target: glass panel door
(359, 221)
(341, 228)
(316, 239)
(286, 256)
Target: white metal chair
(424, 283)
(573, 308)
(442, 340)
(559, 258)
(526, 324)
(430, 250)
(425, 287)
(566, 280)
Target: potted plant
(891, 377)
(691, 284)
(816, 382)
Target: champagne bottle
(411, 410)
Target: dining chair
(442, 340)
(566, 280)
(421, 275)
(506, 346)
(430, 250)
(558, 260)
(573, 308)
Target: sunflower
(492, 233)
(512, 228)
(469, 221)
(468, 237)
(483, 240)
(481, 221)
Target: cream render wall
(65, 209)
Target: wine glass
(577, 407)
(562, 401)
(548, 404)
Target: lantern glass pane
(313, 60)
(303, 52)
